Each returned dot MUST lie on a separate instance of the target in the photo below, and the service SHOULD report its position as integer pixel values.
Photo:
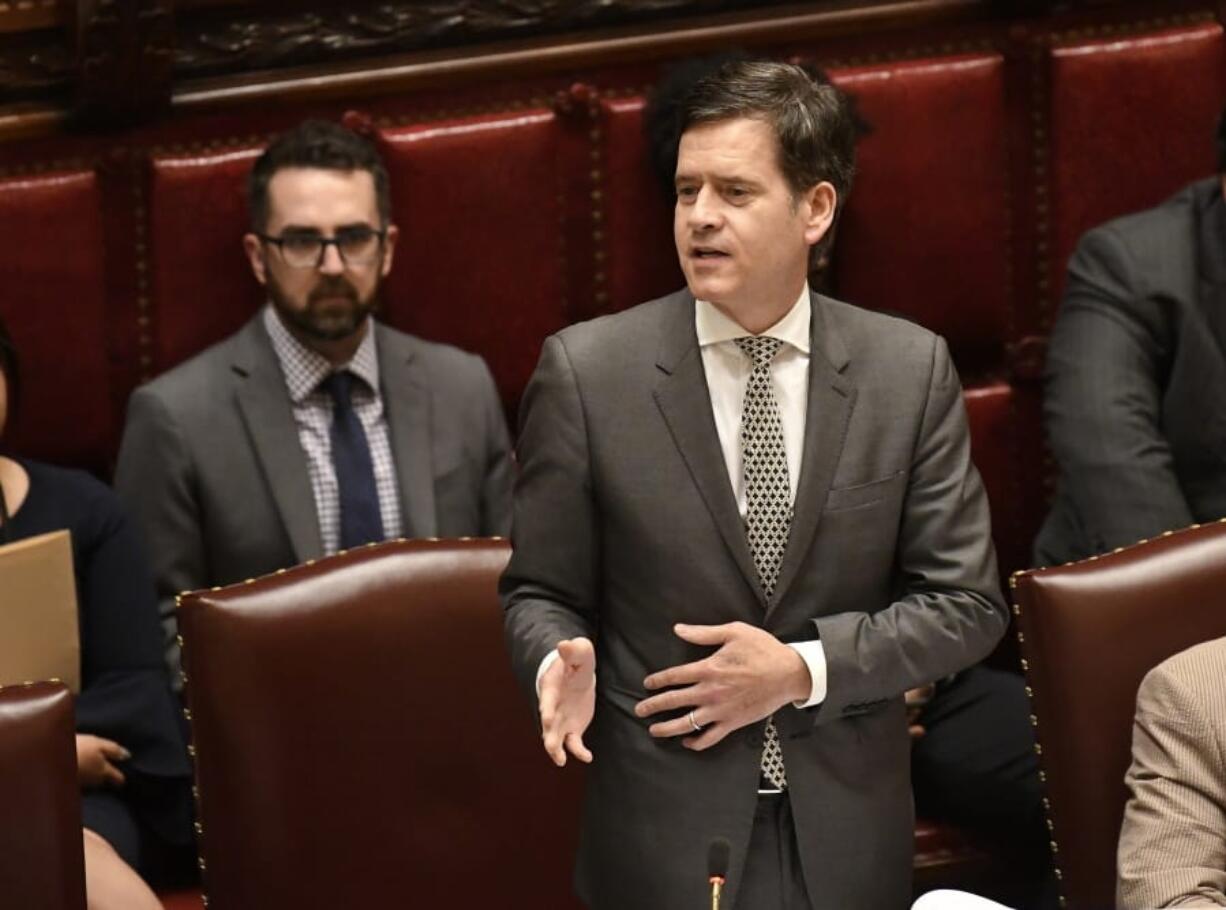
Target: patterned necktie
(768, 497)
(361, 521)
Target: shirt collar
(305, 369)
(715, 326)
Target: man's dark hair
(1221, 143)
(316, 144)
(813, 123)
(662, 111)
(9, 366)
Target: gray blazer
(1132, 407)
(625, 523)
(213, 472)
(1173, 841)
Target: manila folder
(38, 612)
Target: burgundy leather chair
(360, 740)
(42, 864)
(1089, 632)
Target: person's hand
(568, 700)
(95, 761)
(916, 700)
(750, 676)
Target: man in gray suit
(1135, 403)
(314, 428)
(746, 522)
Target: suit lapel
(264, 403)
(831, 400)
(406, 401)
(685, 402)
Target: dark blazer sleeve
(949, 612)
(549, 590)
(1106, 367)
(499, 479)
(125, 691)
(154, 479)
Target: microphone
(717, 868)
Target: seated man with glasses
(314, 428)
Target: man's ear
(254, 248)
(389, 248)
(820, 203)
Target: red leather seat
(182, 900)
(360, 740)
(1090, 631)
(1104, 161)
(42, 864)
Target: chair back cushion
(360, 740)
(42, 864)
(1090, 632)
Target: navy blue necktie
(355, 473)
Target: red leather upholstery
(1131, 122)
(1091, 631)
(53, 271)
(201, 286)
(481, 261)
(991, 412)
(946, 857)
(360, 739)
(926, 230)
(42, 864)
(182, 900)
(636, 234)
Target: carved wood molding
(215, 43)
(35, 66)
(494, 61)
(29, 15)
(124, 59)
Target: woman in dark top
(131, 759)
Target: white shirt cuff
(814, 656)
(553, 655)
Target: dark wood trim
(29, 122)
(30, 16)
(547, 56)
(124, 60)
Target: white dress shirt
(727, 370)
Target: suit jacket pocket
(841, 499)
(457, 495)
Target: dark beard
(332, 324)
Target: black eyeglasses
(356, 246)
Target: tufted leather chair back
(41, 860)
(1090, 632)
(360, 740)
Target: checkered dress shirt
(304, 370)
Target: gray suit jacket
(212, 470)
(1135, 358)
(1173, 842)
(625, 523)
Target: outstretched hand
(750, 676)
(568, 700)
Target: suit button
(753, 740)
